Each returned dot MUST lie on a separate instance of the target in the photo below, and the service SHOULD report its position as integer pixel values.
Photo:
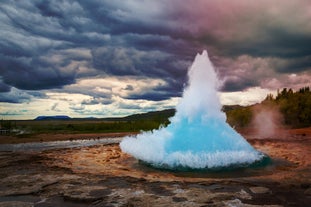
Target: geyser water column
(198, 136)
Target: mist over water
(198, 136)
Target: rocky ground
(104, 176)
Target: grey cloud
(16, 96)
(152, 96)
(53, 107)
(130, 61)
(78, 108)
(33, 74)
(129, 106)
(276, 43)
(49, 9)
(101, 96)
(156, 64)
(292, 65)
(39, 41)
(238, 84)
(4, 87)
(56, 26)
(97, 100)
(129, 88)
(158, 93)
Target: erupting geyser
(198, 136)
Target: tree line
(294, 106)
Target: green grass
(80, 126)
(134, 123)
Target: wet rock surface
(259, 190)
(104, 176)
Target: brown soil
(104, 176)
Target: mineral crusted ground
(104, 176)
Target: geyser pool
(198, 136)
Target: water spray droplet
(198, 136)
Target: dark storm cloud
(39, 28)
(238, 85)
(130, 61)
(269, 30)
(33, 74)
(18, 96)
(48, 9)
(276, 42)
(150, 64)
(152, 96)
(292, 65)
(4, 87)
(40, 40)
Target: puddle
(41, 146)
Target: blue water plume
(198, 136)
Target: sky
(100, 58)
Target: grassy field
(133, 123)
(81, 126)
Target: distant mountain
(153, 115)
(58, 117)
